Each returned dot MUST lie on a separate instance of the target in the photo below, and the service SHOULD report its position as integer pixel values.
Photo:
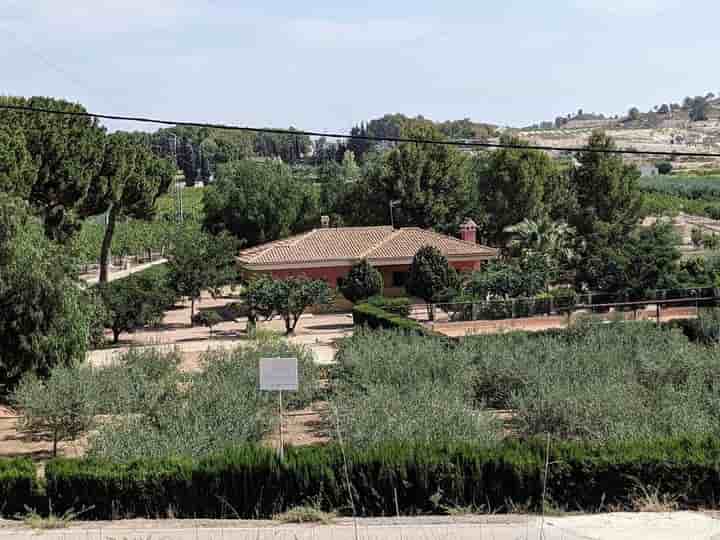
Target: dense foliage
(46, 318)
(151, 409)
(137, 300)
(611, 382)
(259, 202)
(431, 277)
(250, 482)
(361, 282)
(198, 261)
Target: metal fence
(564, 305)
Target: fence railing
(590, 303)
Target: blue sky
(325, 65)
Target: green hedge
(252, 483)
(397, 306)
(375, 317)
(17, 485)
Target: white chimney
(325, 222)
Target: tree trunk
(55, 443)
(107, 244)
(192, 311)
(116, 335)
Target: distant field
(687, 187)
(191, 202)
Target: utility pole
(393, 204)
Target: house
(328, 253)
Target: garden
(417, 424)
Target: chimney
(468, 231)
(325, 222)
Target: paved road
(680, 525)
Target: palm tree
(553, 238)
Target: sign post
(278, 374)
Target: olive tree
(61, 407)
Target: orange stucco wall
(331, 274)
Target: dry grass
(649, 499)
(52, 521)
(305, 514)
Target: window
(399, 279)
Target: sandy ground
(536, 324)
(620, 526)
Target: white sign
(278, 374)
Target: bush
(362, 282)
(250, 482)
(61, 407)
(664, 167)
(396, 306)
(17, 484)
(216, 407)
(374, 317)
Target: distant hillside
(664, 115)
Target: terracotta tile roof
(348, 244)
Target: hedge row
(376, 317)
(252, 483)
(17, 485)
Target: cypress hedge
(17, 485)
(252, 483)
(375, 317)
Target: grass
(305, 514)
(650, 499)
(34, 520)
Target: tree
(260, 300)
(257, 202)
(199, 261)
(18, 170)
(292, 296)
(430, 277)
(132, 302)
(67, 151)
(429, 180)
(512, 185)
(551, 238)
(46, 319)
(208, 318)
(634, 113)
(647, 259)
(128, 183)
(63, 405)
(607, 189)
(362, 282)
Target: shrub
(17, 483)
(61, 407)
(250, 482)
(430, 276)
(374, 317)
(396, 306)
(217, 407)
(362, 282)
(664, 167)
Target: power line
(145, 120)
